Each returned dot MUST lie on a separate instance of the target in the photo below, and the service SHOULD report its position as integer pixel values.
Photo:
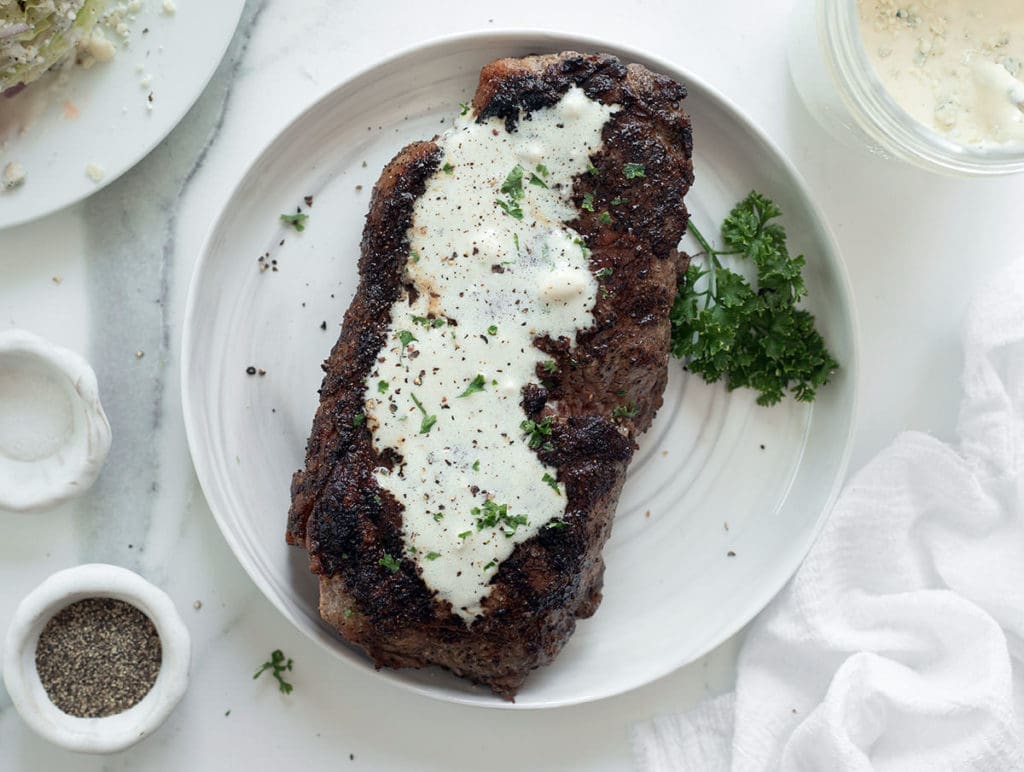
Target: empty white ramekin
(54, 435)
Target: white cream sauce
(487, 285)
(956, 66)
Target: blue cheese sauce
(494, 267)
(957, 66)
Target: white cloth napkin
(899, 644)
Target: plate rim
(147, 147)
(767, 590)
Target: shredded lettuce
(35, 35)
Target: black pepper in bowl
(98, 657)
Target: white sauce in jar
(957, 66)
(494, 267)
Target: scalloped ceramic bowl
(54, 435)
(111, 733)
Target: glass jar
(837, 82)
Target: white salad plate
(724, 497)
(102, 115)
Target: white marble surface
(915, 246)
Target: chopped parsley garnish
(537, 433)
(591, 169)
(382, 387)
(588, 202)
(278, 665)
(297, 221)
(604, 218)
(625, 411)
(535, 180)
(358, 419)
(550, 366)
(512, 187)
(583, 247)
(406, 338)
(556, 524)
(348, 613)
(542, 170)
(476, 465)
(465, 534)
(428, 420)
(428, 322)
(510, 208)
(552, 482)
(489, 515)
(432, 555)
(756, 338)
(475, 385)
(513, 184)
(632, 171)
(438, 517)
(491, 564)
(617, 201)
(414, 256)
(390, 563)
(604, 273)
(492, 330)
(465, 107)
(448, 168)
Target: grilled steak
(587, 398)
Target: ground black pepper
(98, 657)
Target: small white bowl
(54, 435)
(111, 733)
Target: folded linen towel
(899, 644)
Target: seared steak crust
(606, 390)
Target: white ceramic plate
(715, 474)
(100, 117)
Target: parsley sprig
(756, 338)
(279, 664)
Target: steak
(593, 395)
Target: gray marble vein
(131, 249)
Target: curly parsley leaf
(475, 385)
(297, 220)
(629, 410)
(538, 434)
(406, 337)
(278, 664)
(428, 420)
(490, 515)
(632, 171)
(753, 338)
(512, 187)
